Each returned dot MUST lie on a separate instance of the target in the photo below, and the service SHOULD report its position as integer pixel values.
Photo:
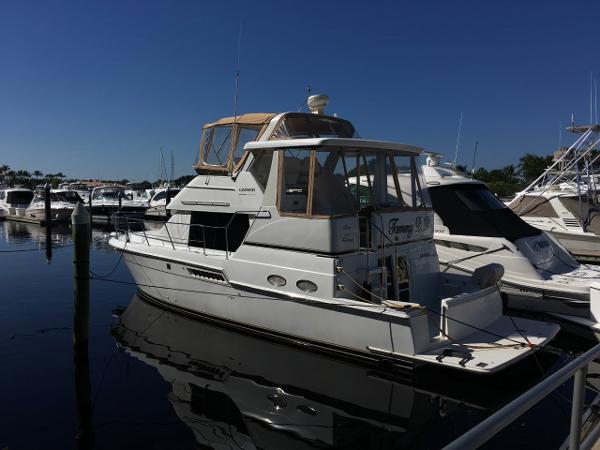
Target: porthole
(276, 280)
(306, 286)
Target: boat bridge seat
(488, 275)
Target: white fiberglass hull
(585, 246)
(56, 214)
(368, 331)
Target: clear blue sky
(95, 89)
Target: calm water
(164, 381)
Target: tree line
(508, 180)
(35, 178)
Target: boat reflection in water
(236, 390)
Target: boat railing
(126, 225)
(576, 369)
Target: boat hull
(366, 331)
(62, 215)
(582, 246)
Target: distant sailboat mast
(457, 140)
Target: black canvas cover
(472, 209)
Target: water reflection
(235, 390)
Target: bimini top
(335, 142)
(222, 145)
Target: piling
(81, 229)
(48, 221)
(90, 208)
(80, 221)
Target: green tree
(532, 166)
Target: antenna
(591, 97)
(474, 156)
(308, 89)
(458, 139)
(559, 135)
(172, 166)
(595, 103)
(237, 89)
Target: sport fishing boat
(473, 228)
(157, 208)
(234, 390)
(15, 201)
(562, 201)
(108, 201)
(272, 237)
(62, 202)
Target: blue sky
(96, 89)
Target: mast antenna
(172, 167)
(474, 156)
(559, 135)
(591, 96)
(236, 96)
(458, 139)
(308, 89)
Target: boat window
(19, 197)
(332, 194)
(160, 196)
(480, 199)
(294, 192)
(301, 125)
(344, 181)
(1, 195)
(261, 167)
(218, 146)
(245, 135)
(461, 218)
(408, 180)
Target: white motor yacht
(62, 202)
(157, 208)
(271, 237)
(15, 201)
(472, 228)
(106, 201)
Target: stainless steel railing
(126, 225)
(491, 426)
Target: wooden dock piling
(80, 220)
(48, 221)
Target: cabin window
(245, 135)
(160, 196)
(261, 167)
(19, 197)
(218, 146)
(218, 231)
(408, 179)
(1, 195)
(329, 182)
(301, 125)
(294, 183)
(332, 194)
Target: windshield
(300, 125)
(109, 193)
(472, 209)
(342, 181)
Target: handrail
(495, 423)
(131, 220)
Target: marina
(315, 225)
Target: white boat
(157, 208)
(62, 202)
(562, 201)
(14, 201)
(472, 228)
(106, 201)
(271, 237)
